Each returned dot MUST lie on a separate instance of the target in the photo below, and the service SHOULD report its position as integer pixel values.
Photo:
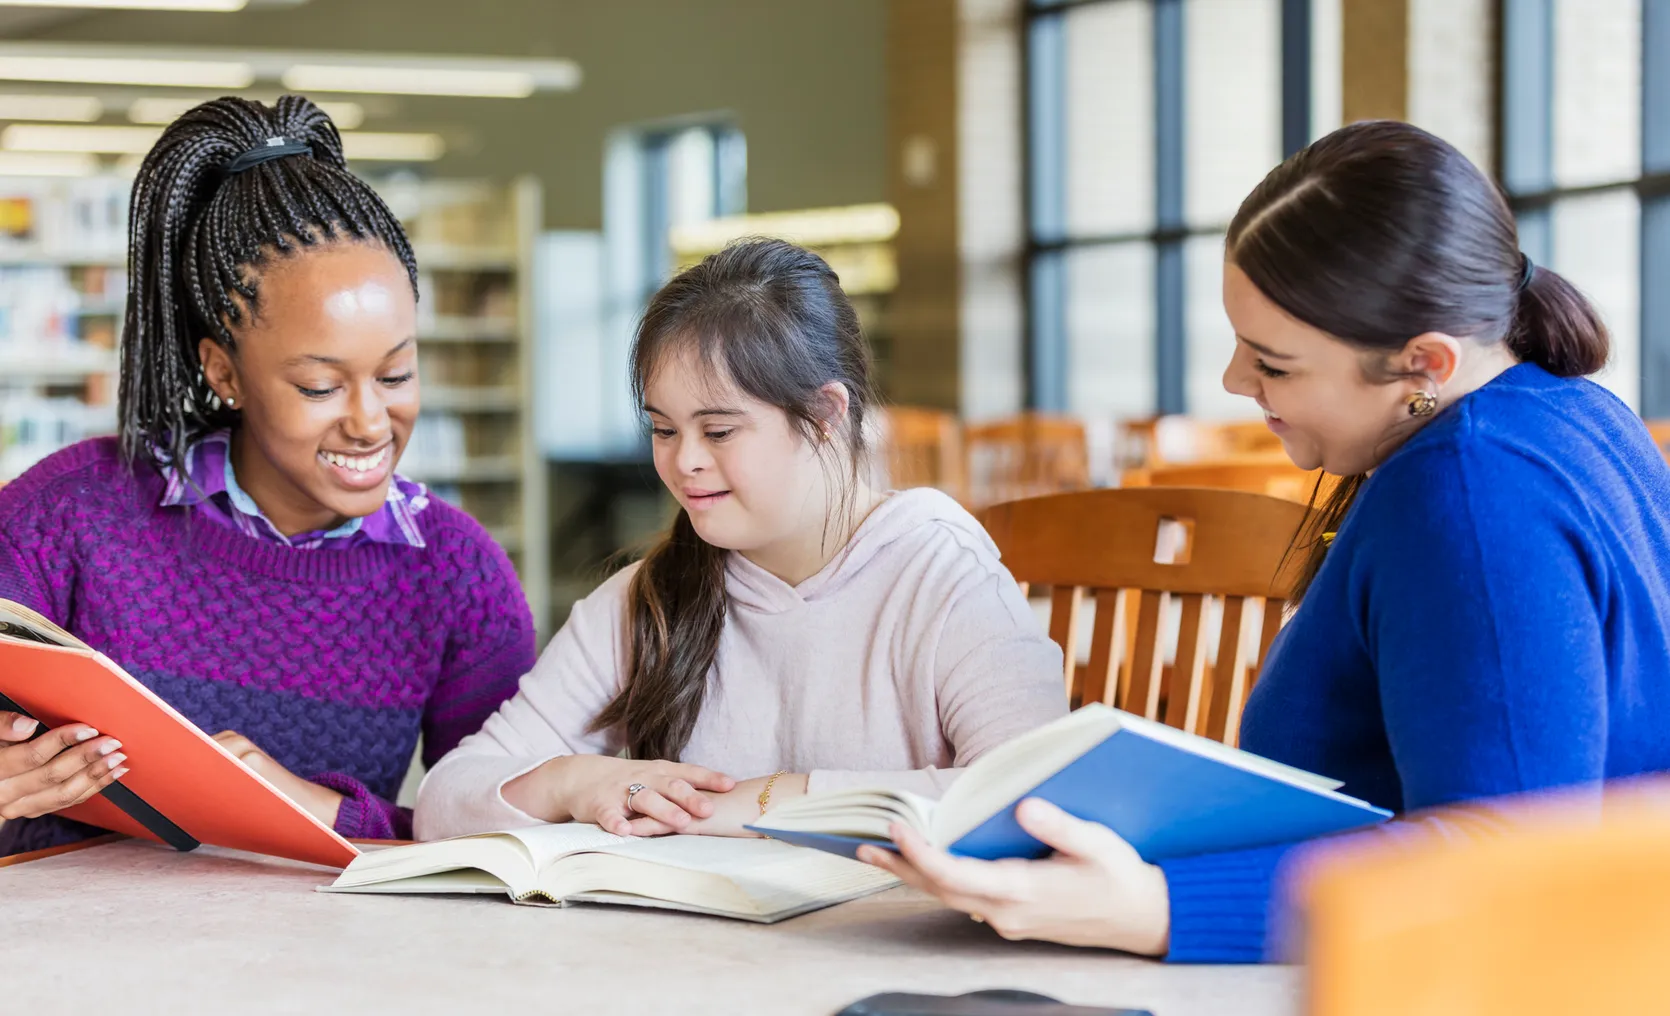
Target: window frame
(1045, 340)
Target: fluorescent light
(390, 147)
(72, 108)
(137, 5)
(36, 137)
(47, 164)
(166, 109)
(410, 80)
(112, 140)
(127, 71)
(813, 227)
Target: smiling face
(746, 474)
(1317, 392)
(325, 379)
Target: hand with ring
(627, 797)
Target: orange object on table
(176, 768)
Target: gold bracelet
(765, 795)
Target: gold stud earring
(1422, 403)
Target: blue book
(1166, 792)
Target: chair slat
(1229, 675)
(1183, 697)
(1100, 683)
(1101, 544)
(1144, 696)
(1273, 610)
(1064, 628)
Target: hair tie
(275, 148)
(1527, 269)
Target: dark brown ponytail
(1380, 232)
(1557, 328)
(771, 319)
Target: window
(1147, 123)
(1585, 160)
(593, 287)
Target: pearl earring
(231, 403)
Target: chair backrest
(1548, 907)
(1175, 440)
(1134, 553)
(1025, 456)
(1274, 475)
(923, 448)
(1660, 430)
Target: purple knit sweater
(332, 663)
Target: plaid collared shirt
(207, 483)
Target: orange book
(183, 787)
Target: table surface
(218, 931)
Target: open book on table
(754, 880)
(1166, 792)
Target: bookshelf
(474, 444)
(62, 293)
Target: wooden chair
(923, 448)
(1545, 911)
(1175, 440)
(1660, 430)
(1276, 476)
(1131, 552)
(1025, 456)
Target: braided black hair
(197, 238)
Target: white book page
(499, 855)
(515, 857)
(1001, 776)
(749, 877)
(860, 812)
(547, 844)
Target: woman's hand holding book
(55, 770)
(1094, 891)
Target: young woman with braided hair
(243, 547)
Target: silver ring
(632, 792)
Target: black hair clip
(275, 148)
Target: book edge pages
(649, 903)
(17, 613)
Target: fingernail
(118, 774)
(108, 748)
(86, 734)
(115, 760)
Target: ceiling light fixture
(162, 109)
(38, 137)
(392, 147)
(350, 72)
(136, 5)
(67, 108)
(482, 83)
(47, 164)
(126, 71)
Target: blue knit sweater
(1493, 617)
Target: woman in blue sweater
(1491, 613)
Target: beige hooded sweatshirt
(910, 655)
